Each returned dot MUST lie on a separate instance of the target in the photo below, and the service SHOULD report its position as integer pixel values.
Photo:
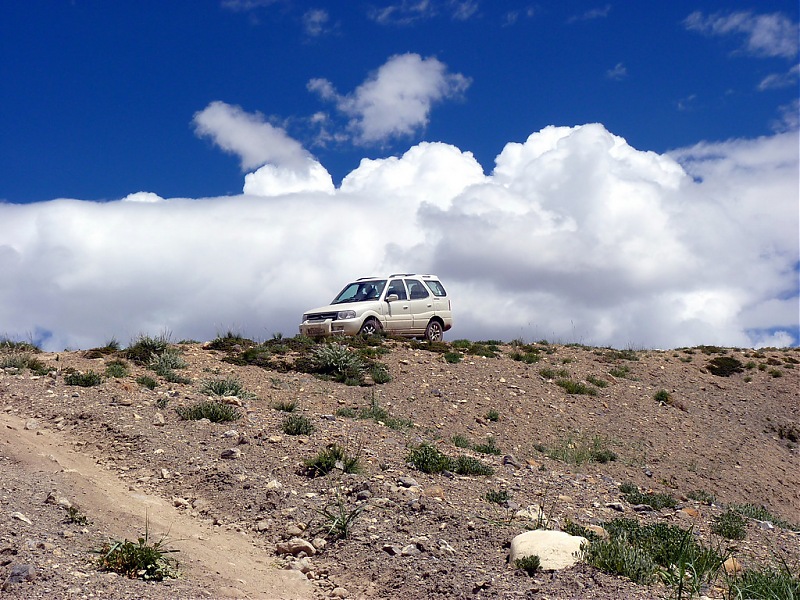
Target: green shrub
(548, 373)
(338, 362)
(285, 405)
(526, 357)
(332, 457)
(490, 447)
(214, 411)
(530, 564)
(576, 387)
(759, 513)
(493, 416)
(497, 496)
(117, 368)
(87, 379)
(428, 459)
(730, 525)
(582, 450)
(142, 350)
(620, 372)
(656, 501)
(467, 465)
(380, 373)
(618, 557)
(16, 361)
(596, 381)
(724, 366)
(662, 396)
(767, 583)
(147, 381)
(229, 341)
(338, 519)
(347, 412)
(461, 441)
(298, 425)
(229, 386)
(701, 496)
(167, 361)
(138, 560)
(452, 357)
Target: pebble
(158, 420)
(231, 453)
(340, 592)
(408, 482)
(22, 573)
(20, 517)
(296, 546)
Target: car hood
(356, 306)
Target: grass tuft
(214, 411)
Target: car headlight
(346, 314)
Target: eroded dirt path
(227, 563)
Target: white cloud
(600, 12)
(397, 99)
(765, 35)
(249, 136)
(315, 22)
(780, 80)
(574, 236)
(618, 73)
(408, 12)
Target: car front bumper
(330, 327)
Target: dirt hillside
(561, 427)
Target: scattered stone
(231, 454)
(231, 433)
(301, 564)
(434, 491)
(340, 592)
(555, 549)
(618, 506)
(319, 543)
(54, 498)
(20, 517)
(262, 526)
(410, 550)
(445, 547)
(732, 566)
(296, 546)
(293, 531)
(642, 508)
(21, 573)
(598, 531)
(364, 495)
(31, 424)
(158, 420)
(508, 459)
(408, 482)
(392, 549)
(690, 512)
(275, 439)
(165, 474)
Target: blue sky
(198, 109)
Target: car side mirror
(392, 298)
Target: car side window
(436, 287)
(396, 287)
(416, 290)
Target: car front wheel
(433, 332)
(370, 327)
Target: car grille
(319, 317)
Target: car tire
(433, 332)
(370, 327)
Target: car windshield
(358, 291)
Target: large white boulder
(555, 549)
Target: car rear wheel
(370, 327)
(433, 332)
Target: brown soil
(106, 450)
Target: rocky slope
(239, 503)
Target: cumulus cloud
(573, 236)
(397, 99)
(780, 80)
(316, 22)
(249, 136)
(765, 35)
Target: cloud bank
(573, 236)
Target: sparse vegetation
(725, 366)
(654, 500)
(147, 381)
(117, 368)
(582, 449)
(493, 416)
(214, 411)
(497, 496)
(530, 564)
(338, 518)
(701, 496)
(229, 386)
(576, 387)
(285, 405)
(144, 347)
(330, 458)
(428, 459)
(87, 379)
(297, 425)
(730, 525)
(141, 559)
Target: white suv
(402, 304)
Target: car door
(398, 312)
(420, 304)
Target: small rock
(165, 474)
(31, 424)
(20, 517)
(410, 550)
(408, 482)
(340, 592)
(296, 546)
(555, 549)
(275, 439)
(598, 531)
(22, 573)
(231, 453)
(364, 495)
(690, 512)
(302, 564)
(319, 543)
(158, 420)
(508, 459)
(642, 508)
(434, 491)
(273, 485)
(263, 526)
(615, 506)
(293, 531)
(231, 433)
(732, 566)
(392, 549)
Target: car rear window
(436, 287)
